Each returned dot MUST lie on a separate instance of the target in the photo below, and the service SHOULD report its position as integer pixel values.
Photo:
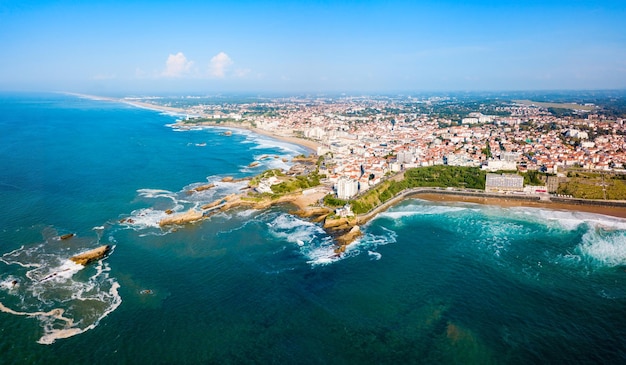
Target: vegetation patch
(593, 185)
(432, 176)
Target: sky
(126, 46)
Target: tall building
(347, 187)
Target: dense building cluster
(367, 138)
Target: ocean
(429, 282)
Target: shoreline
(429, 194)
(505, 201)
(614, 211)
(304, 143)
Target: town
(366, 139)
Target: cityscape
(367, 139)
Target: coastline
(505, 201)
(613, 211)
(305, 143)
(431, 195)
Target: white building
(504, 182)
(315, 133)
(405, 157)
(469, 120)
(347, 187)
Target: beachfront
(302, 201)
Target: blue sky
(311, 46)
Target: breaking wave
(317, 246)
(66, 298)
(523, 239)
(604, 247)
(162, 203)
(311, 239)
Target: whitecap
(63, 272)
(156, 193)
(10, 283)
(293, 229)
(606, 248)
(145, 218)
(310, 239)
(410, 210)
(375, 255)
(64, 303)
(246, 213)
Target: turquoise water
(428, 282)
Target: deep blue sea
(433, 283)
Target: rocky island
(90, 256)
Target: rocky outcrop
(90, 256)
(344, 231)
(349, 237)
(314, 214)
(200, 188)
(183, 218)
(339, 223)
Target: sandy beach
(306, 143)
(162, 108)
(309, 144)
(503, 202)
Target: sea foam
(607, 248)
(64, 303)
(310, 239)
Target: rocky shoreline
(345, 230)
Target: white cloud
(177, 65)
(219, 64)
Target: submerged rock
(92, 255)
